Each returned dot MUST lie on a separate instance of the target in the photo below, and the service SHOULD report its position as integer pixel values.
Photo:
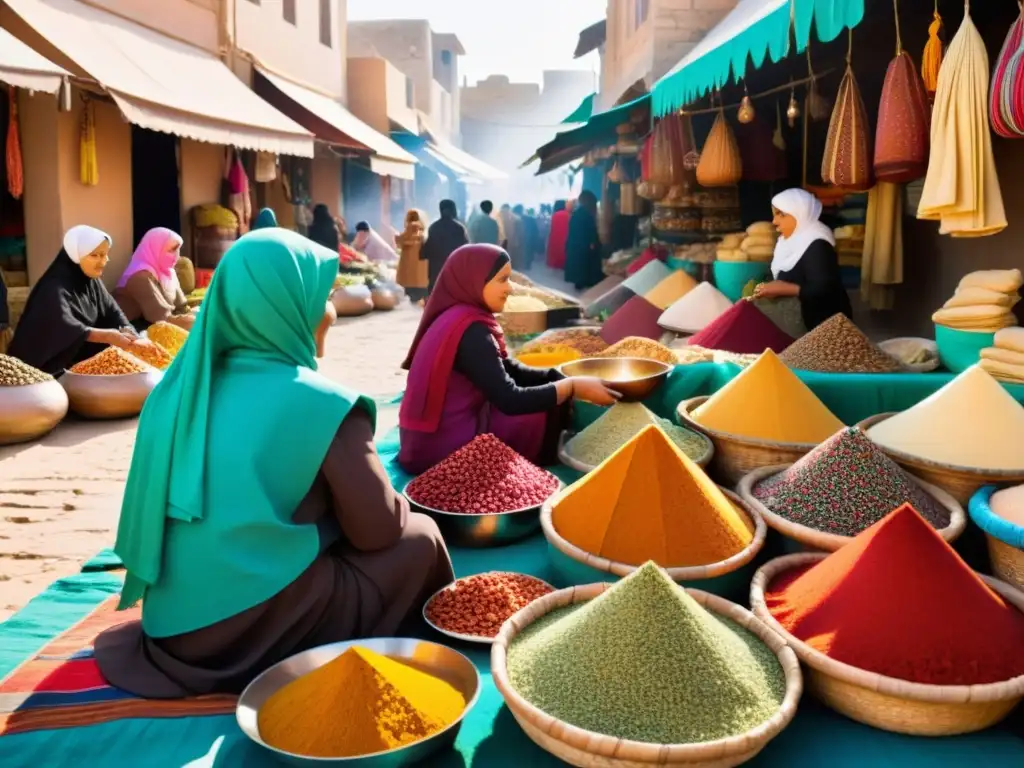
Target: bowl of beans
(110, 385)
(474, 608)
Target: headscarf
(220, 432)
(81, 240)
(455, 303)
(153, 256)
(266, 219)
(805, 208)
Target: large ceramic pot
(384, 299)
(352, 300)
(109, 397)
(30, 411)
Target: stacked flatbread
(1005, 359)
(983, 301)
(756, 244)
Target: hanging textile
(961, 189)
(760, 159)
(15, 169)
(1006, 102)
(931, 59)
(904, 119)
(847, 160)
(88, 164)
(266, 167)
(882, 261)
(720, 163)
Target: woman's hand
(593, 391)
(139, 344)
(776, 289)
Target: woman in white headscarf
(805, 265)
(70, 315)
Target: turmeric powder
(359, 704)
(648, 501)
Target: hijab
(231, 440)
(82, 240)
(266, 219)
(456, 302)
(153, 256)
(806, 209)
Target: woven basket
(889, 703)
(563, 455)
(1006, 559)
(735, 455)
(587, 749)
(959, 482)
(830, 542)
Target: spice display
(1009, 504)
(646, 257)
(583, 340)
(648, 501)
(551, 357)
(112, 361)
(611, 301)
(1005, 358)
(961, 189)
(478, 605)
(838, 346)
(525, 304)
(971, 422)
(845, 485)
(681, 673)
(785, 312)
(846, 162)
(154, 355)
(484, 477)
(358, 704)
(743, 329)
(15, 373)
(900, 602)
(671, 289)
(696, 310)
(637, 317)
(768, 402)
(620, 424)
(647, 278)
(637, 346)
(599, 290)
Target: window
(288, 8)
(410, 93)
(325, 22)
(446, 58)
(640, 10)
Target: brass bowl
(634, 378)
(109, 397)
(433, 658)
(30, 411)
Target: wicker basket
(563, 455)
(812, 538)
(735, 455)
(688, 575)
(1007, 560)
(959, 482)
(889, 703)
(594, 750)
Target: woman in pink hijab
(148, 291)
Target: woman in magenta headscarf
(462, 382)
(148, 291)
(558, 234)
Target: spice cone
(743, 329)
(838, 346)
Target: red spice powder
(899, 601)
(479, 605)
(637, 317)
(745, 330)
(645, 258)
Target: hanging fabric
(266, 167)
(720, 162)
(931, 59)
(882, 261)
(760, 159)
(1006, 102)
(904, 119)
(88, 164)
(961, 189)
(15, 168)
(847, 160)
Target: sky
(518, 38)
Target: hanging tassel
(931, 59)
(89, 172)
(15, 169)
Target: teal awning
(753, 31)
(583, 112)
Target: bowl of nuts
(109, 385)
(31, 402)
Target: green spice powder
(644, 661)
(620, 424)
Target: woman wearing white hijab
(70, 315)
(805, 265)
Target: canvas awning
(583, 112)
(330, 121)
(591, 38)
(753, 31)
(458, 158)
(163, 84)
(22, 67)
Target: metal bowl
(478, 639)
(438, 660)
(109, 397)
(468, 530)
(634, 378)
(30, 411)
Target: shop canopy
(753, 31)
(22, 67)
(583, 112)
(329, 121)
(465, 166)
(591, 38)
(163, 84)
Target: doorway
(156, 189)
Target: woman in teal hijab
(266, 219)
(257, 519)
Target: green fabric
(600, 128)
(231, 440)
(266, 219)
(583, 112)
(755, 30)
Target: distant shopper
(444, 236)
(148, 291)
(583, 246)
(514, 245)
(413, 273)
(558, 233)
(324, 230)
(373, 245)
(533, 246)
(482, 227)
(265, 220)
